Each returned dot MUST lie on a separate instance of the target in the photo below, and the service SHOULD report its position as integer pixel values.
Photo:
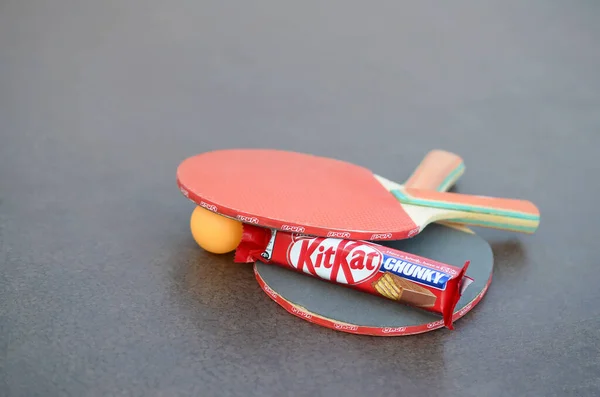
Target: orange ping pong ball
(215, 233)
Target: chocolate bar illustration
(399, 289)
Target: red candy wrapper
(361, 265)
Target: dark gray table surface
(103, 292)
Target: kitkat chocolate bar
(365, 266)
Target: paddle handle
(500, 213)
(439, 170)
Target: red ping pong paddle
(326, 197)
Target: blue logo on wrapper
(415, 272)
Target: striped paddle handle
(439, 170)
(499, 213)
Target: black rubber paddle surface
(346, 305)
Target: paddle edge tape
(407, 230)
(305, 315)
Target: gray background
(102, 289)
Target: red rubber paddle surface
(295, 192)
